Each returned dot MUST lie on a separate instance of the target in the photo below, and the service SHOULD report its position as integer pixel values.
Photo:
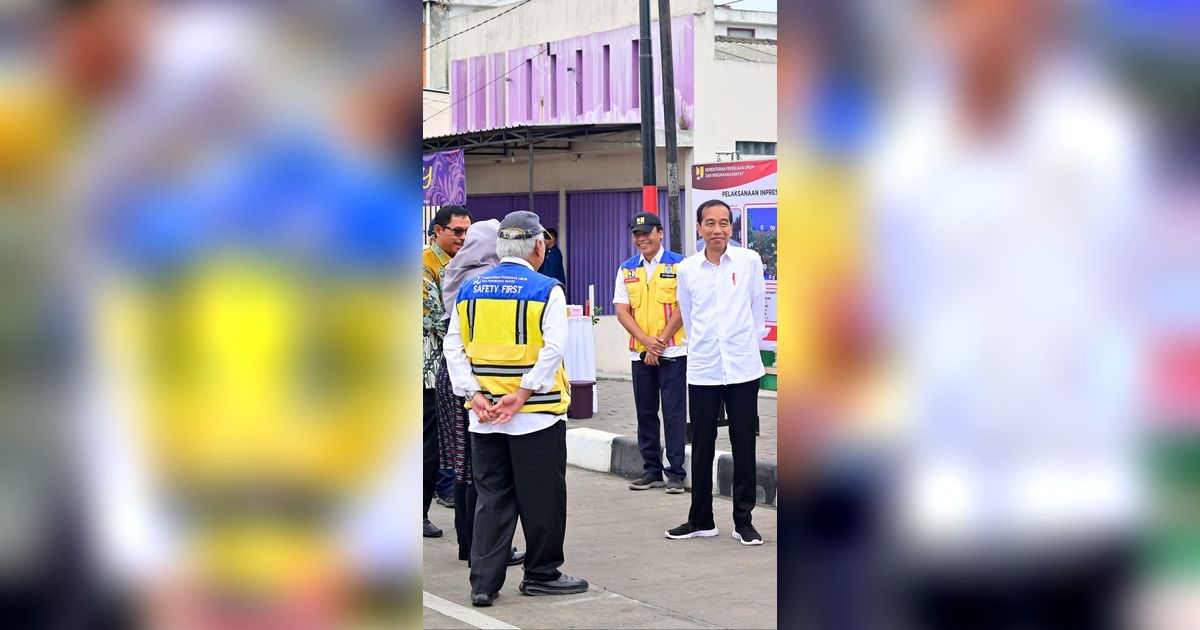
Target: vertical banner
(444, 178)
(751, 190)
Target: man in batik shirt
(449, 232)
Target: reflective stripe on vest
(495, 314)
(653, 299)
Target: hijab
(478, 254)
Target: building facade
(572, 65)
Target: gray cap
(519, 225)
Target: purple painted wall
(523, 96)
(458, 77)
(484, 207)
(598, 240)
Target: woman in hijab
(478, 254)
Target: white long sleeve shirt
(997, 271)
(539, 379)
(724, 315)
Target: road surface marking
(464, 614)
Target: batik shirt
(433, 267)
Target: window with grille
(755, 148)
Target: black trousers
(429, 444)
(668, 382)
(465, 501)
(741, 407)
(526, 476)
(1083, 590)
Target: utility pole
(668, 83)
(646, 85)
(529, 137)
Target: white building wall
(462, 7)
(544, 21)
(761, 31)
(739, 104)
(595, 171)
(764, 23)
(436, 16)
(435, 106)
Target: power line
(479, 24)
(761, 52)
(541, 51)
(726, 52)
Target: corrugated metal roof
(516, 134)
(745, 49)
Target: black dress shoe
(564, 585)
(483, 599)
(431, 530)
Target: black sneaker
(446, 501)
(674, 486)
(647, 481)
(687, 530)
(429, 530)
(747, 535)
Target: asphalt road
(639, 578)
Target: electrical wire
(478, 25)
(761, 52)
(726, 52)
(541, 52)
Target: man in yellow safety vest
(647, 307)
(504, 347)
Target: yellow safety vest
(500, 315)
(653, 299)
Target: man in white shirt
(649, 310)
(721, 295)
(1003, 197)
(503, 350)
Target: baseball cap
(519, 225)
(644, 222)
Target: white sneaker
(747, 535)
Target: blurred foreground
(994, 412)
(205, 317)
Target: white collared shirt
(996, 270)
(539, 379)
(621, 296)
(724, 315)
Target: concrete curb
(619, 455)
(626, 378)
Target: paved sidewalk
(617, 415)
(639, 578)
